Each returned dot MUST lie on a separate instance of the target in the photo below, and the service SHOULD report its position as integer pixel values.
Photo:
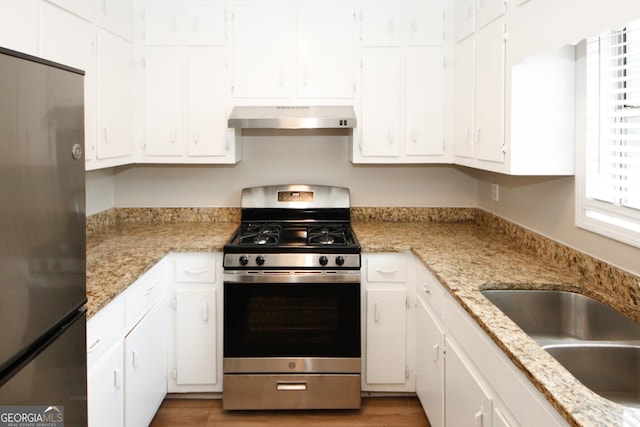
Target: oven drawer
(386, 268)
(317, 391)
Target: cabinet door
(381, 25)
(206, 24)
(196, 336)
(19, 29)
(105, 390)
(463, 19)
(424, 101)
(424, 23)
(207, 94)
(381, 77)
(463, 99)
(488, 10)
(70, 40)
(262, 50)
(164, 25)
(430, 364)
(117, 17)
(115, 89)
(164, 105)
(386, 336)
(145, 369)
(325, 58)
(468, 402)
(489, 91)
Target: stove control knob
(260, 260)
(339, 260)
(244, 260)
(324, 260)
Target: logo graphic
(31, 416)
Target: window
(608, 179)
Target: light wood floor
(375, 412)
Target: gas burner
(327, 234)
(261, 234)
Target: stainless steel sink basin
(611, 371)
(596, 344)
(558, 316)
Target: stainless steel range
(292, 301)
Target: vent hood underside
(293, 117)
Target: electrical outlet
(495, 192)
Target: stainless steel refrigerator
(42, 241)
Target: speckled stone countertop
(473, 250)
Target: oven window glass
(298, 319)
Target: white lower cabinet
(462, 377)
(430, 370)
(195, 324)
(145, 380)
(127, 354)
(468, 401)
(388, 323)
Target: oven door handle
(291, 386)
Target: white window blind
(612, 146)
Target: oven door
(292, 321)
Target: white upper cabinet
(381, 25)
(424, 23)
(83, 8)
(115, 94)
(19, 28)
(403, 83)
(424, 101)
(116, 16)
(293, 51)
(325, 51)
(262, 46)
(488, 10)
(464, 99)
(175, 23)
(463, 19)
(69, 40)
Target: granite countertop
(465, 256)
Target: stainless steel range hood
(293, 117)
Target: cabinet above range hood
(293, 117)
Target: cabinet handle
(414, 136)
(105, 135)
(414, 25)
(104, 5)
(478, 135)
(189, 271)
(391, 26)
(134, 359)
(467, 136)
(150, 290)
(116, 379)
(174, 136)
(302, 386)
(196, 136)
(205, 312)
(196, 25)
(426, 290)
(390, 271)
(95, 345)
(376, 313)
(390, 136)
(480, 6)
(478, 418)
(436, 353)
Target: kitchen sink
(612, 371)
(551, 317)
(596, 344)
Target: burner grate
(261, 234)
(327, 234)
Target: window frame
(608, 219)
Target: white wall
(291, 159)
(546, 205)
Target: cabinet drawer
(104, 329)
(140, 297)
(387, 268)
(430, 291)
(196, 268)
